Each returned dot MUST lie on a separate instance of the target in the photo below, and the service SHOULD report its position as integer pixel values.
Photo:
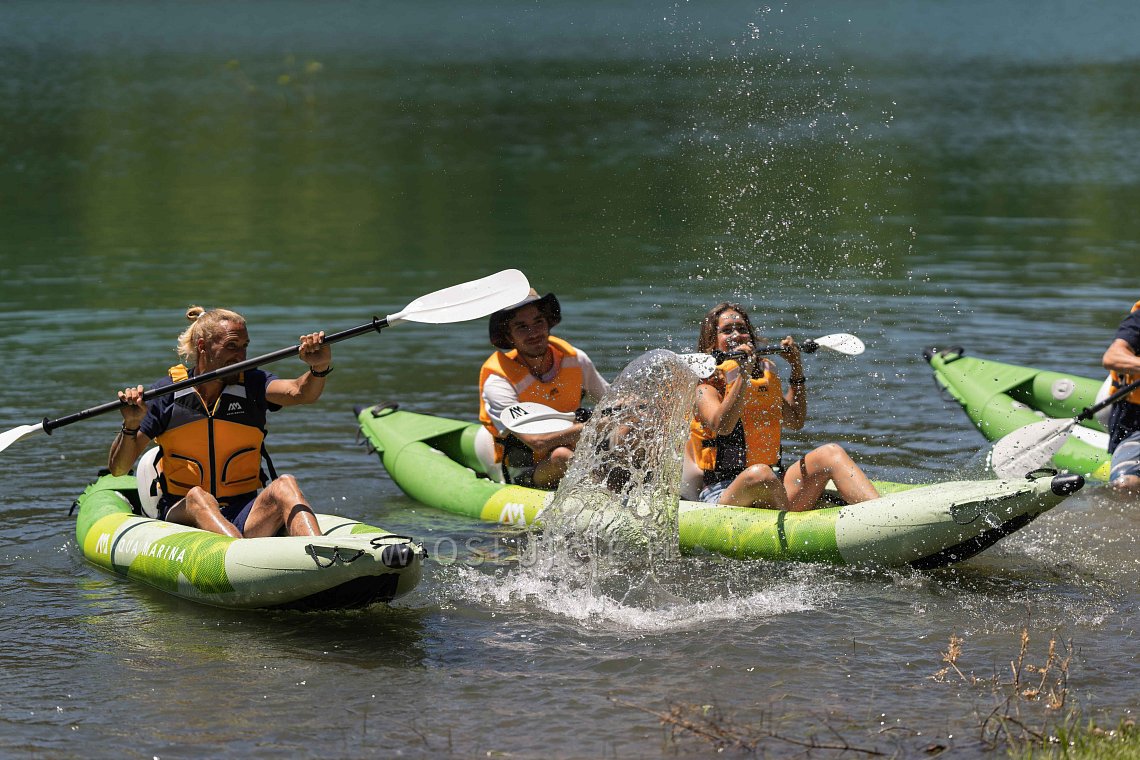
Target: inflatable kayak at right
(435, 460)
(1002, 398)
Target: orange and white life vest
(756, 437)
(217, 449)
(1121, 379)
(563, 392)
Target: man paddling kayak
(1123, 359)
(211, 436)
(736, 431)
(533, 365)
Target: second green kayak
(1000, 398)
(434, 460)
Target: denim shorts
(1126, 458)
(711, 494)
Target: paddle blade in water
(844, 343)
(468, 300)
(1029, 448)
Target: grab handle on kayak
(1067, 484)
(333, 554)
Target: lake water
(916, 173)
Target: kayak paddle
(842, 343)
(532, 418)
(1031, 447)
(458, 303)
(702, 365)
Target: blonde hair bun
(204, 323)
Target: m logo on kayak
(513, 513)
(516, 412)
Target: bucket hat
(497, 327)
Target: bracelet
(125, 431)
(322, 373)
(797, 380)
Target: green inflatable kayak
(351, 565)
(1000, 398)
(436, 461)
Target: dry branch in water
(1029, 685)
(707, 722)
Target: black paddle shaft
(1089, 411)
(376, 324)
(808, 347)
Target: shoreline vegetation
(1025, 712)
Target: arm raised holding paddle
(129, 442)
(1122, 359)
(306, 389)
(211, 436)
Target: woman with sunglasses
(740, 412)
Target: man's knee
(562, 455)
(284, 484)
(198, 498)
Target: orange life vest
(756, 437)
(563, 392)
(216, 449)
(1121, 379)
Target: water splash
(613, 523)
(704, 591)
(607, 556)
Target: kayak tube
(434, 460)
(352, 565)
(1000, 398)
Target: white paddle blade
(702, 365)
(844, 343)
(1029, 448)
(15, 434)
(468, 300)
(533, 418)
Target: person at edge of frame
(1122, 360)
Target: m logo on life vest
(235, 406)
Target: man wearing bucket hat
(533, 365)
